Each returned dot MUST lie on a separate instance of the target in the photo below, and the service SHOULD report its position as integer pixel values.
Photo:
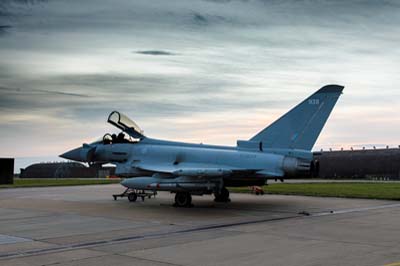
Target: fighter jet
(281, 150)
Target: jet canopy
(122, 122)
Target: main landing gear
(183, 199)
(222, 196)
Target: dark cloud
(200, 19)
(220, 1)
(41, 102)
(113, 83)
(11, 10)
(4, 29)
(64, 93)
(9, 4)
(155, 52)
(145, 85)
(46, 92)
(203, 20)
(23, 2)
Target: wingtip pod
(332, 88)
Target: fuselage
(244, 166)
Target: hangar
(365, 163)
(65, 170)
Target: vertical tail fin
(300, 127)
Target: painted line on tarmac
(137, 237)
(188, 230)
(362, 209)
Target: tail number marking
(313, 101)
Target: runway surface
(85, 226)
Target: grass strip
(389, 191)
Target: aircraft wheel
(132, 197)
(222, 196)
(183, 199)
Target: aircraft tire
(222, 196)
(132, 197)
(183, 199)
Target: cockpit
(120, 138)
(122, 122)
(131, 132)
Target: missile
(167, 184)
(202, 172)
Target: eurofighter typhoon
(282, 149)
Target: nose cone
(74, 155)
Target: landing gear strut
(222, 196)
(183, 199)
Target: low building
(371, 164)
(65, 170)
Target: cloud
(155, 52)
(11, 10)
(64, 93)
(200, 19)
(240, 63)
(45, 92)
(24, 104)
(4, 29)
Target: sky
(196, 71)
